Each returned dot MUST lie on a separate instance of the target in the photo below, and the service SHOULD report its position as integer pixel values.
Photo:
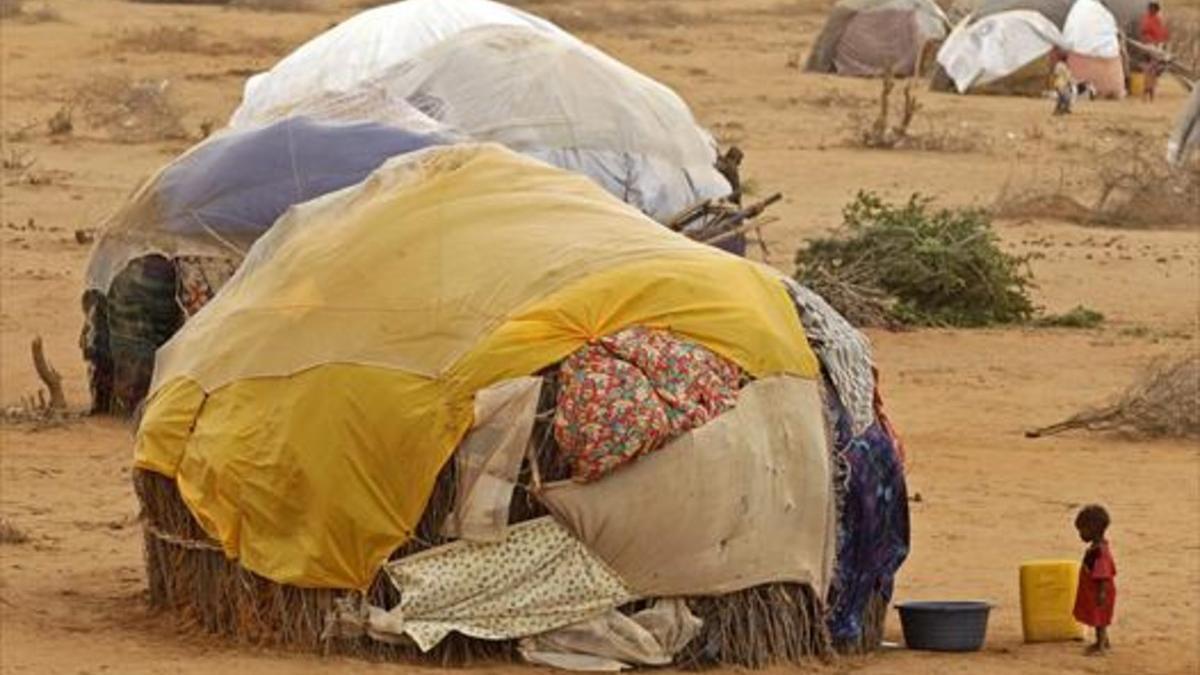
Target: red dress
(1153, 30)
(1098, 570)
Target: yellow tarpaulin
(307, 410)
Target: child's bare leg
(1101, 644)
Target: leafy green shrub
(913, 265)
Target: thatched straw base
(874, 623)
(190, 577)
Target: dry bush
(1134, 187)
(275, 5)
(16, 9)
(1185, 39)
(11, 534)
(835, 98)
(1164, 402)
(882, 132)
(61, 123)
(160, 39)
(604, 16)
(19, 160)
(131, 111)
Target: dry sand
(71, 597)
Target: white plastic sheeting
(369, 43)
(563, 102)
(1185, 139)
(996, 46)
(1091, 30)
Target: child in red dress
(1097, 593)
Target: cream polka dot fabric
(538, 579)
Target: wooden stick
(49, 376)
(730, 234)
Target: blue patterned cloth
(873, 530)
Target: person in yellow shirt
(1064, 88)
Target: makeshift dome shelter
(1006, 53)
(1185, 139)
(441, 413)
(369, 43)
(869, 37)
(563, 102)
(1092, 40)
(176, 240)
(1127, 12)
(1006, 46)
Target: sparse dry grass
(160, 39)
(17, 10)
(11, 534)
(606, 16)
(836, 98)
(276, 5)
(131, 111)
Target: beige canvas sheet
(744, 500)
(614, 641)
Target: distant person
(1153, 31)
(1097, 593)
(1064, 88)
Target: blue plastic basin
(945, 626)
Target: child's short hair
(1093, 515)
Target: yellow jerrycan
(1048, 600)
(1137, 84)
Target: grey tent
(865, 38)
(1127, 12)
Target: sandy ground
(71, 598)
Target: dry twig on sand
(1163, 403)
(49, 377)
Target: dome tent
(867, 37)
(369, 43)
(1000, 48)
(563, 102)
(172, 244)
(1088, 31)
(1127, 12)
(267, 459)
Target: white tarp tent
(996, 46)
(1091, 30)
(367, 44)
(563, 102)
